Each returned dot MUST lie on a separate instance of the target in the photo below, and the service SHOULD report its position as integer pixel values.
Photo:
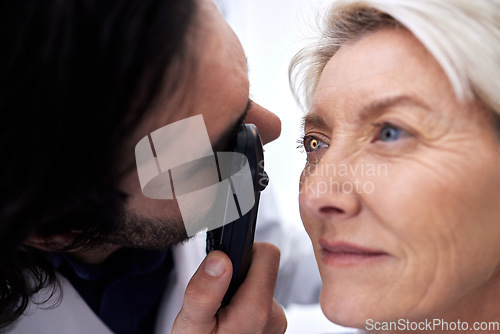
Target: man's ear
(51, 243)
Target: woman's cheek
(306, 220)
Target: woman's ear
(51, 243)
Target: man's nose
(269, 124)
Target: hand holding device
(252, 310)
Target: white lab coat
(73, 316)
(298, 282)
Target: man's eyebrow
(231, 132)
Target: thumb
(204, 294)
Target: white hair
(462, 35)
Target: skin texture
(427, 198)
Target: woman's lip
(344, 247)
(346, 254)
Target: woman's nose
(269, 124)
(328, 196)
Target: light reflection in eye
(312, 144)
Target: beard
(134, 231)
(131, 231)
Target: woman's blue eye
(389, 132)
(312, 144)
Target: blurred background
(271, 33)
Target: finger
(261, 278)
(277, 322)
(253, 302)
(204, 294)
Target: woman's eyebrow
(311, 120)
(373, 109)
(377, 107)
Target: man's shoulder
(64, 311)
(58, 309)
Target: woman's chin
(347, 306)
(356, 309)
(347, 312)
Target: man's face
(218, 88)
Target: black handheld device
(236, 238)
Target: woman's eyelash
(301, 141)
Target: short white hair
(462, 35)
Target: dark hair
(76, 76)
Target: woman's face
(401, 191)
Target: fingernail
(214, 266)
